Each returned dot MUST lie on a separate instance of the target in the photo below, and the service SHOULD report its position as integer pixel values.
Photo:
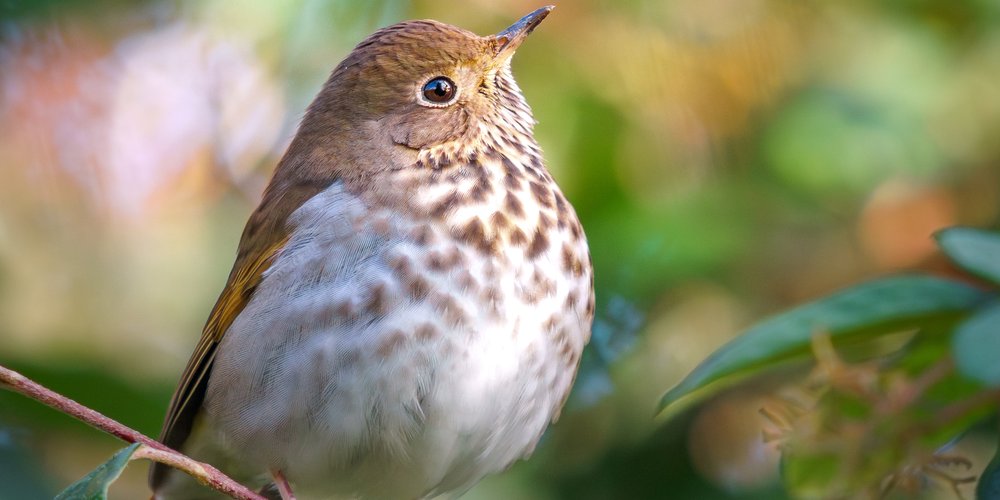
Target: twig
(153, 450)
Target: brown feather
(266, 233)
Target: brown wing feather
(263, 238)
(186, 401)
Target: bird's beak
(509, 39)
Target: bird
(410, 299)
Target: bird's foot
(284, 488)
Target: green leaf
(94, 486)
(885, 305)
(988, 487)
(975, 250)
(976, 344)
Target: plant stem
(153, 450)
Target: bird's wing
(263, 238)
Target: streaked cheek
(425, 127)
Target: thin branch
(153, 450)
(204, 473)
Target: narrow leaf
(976, 344)
(94, 486)
(884, 305)
(975, 250)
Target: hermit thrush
(409, 301)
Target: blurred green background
(728, 158)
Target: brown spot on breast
(455, 257)
(571, 262)
(391, 343)
(518, 238)
(381, 226)
(427, 331)
(509, 167)
(503, 138)
(444, 206)
(539, 243)
(500, 222)
(345, 309)
(378, 298)
(456, 315)
(550, 324)
(439, 261)
(528, 295)
(514, 143)
(547, 286)
(480, 189)
(416, 286)
(441, 161)
(571, 300)
(491, 152)
(567, 257)
(512, 182)
(536, 160)
(422, 235)
(452, 311)
(401, 265)
(542, 194)
(562, 208)
(474, 234)
(435, 260)
(544, 286)
(358, 222)
(544, 221)
(513, 205)
(479, 170)
(566, 350)
(530, 171)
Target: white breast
(382, 356)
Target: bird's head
(420, 84)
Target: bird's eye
(439, 90)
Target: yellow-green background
(728, 158)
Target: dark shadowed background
(728, 158)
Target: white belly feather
(350, 379)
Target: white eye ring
(438, 92)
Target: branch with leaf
(94, 486)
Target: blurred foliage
(886, 306)
(728, 159)
(868, 429)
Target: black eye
(439, 90)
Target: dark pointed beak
(510, 39)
